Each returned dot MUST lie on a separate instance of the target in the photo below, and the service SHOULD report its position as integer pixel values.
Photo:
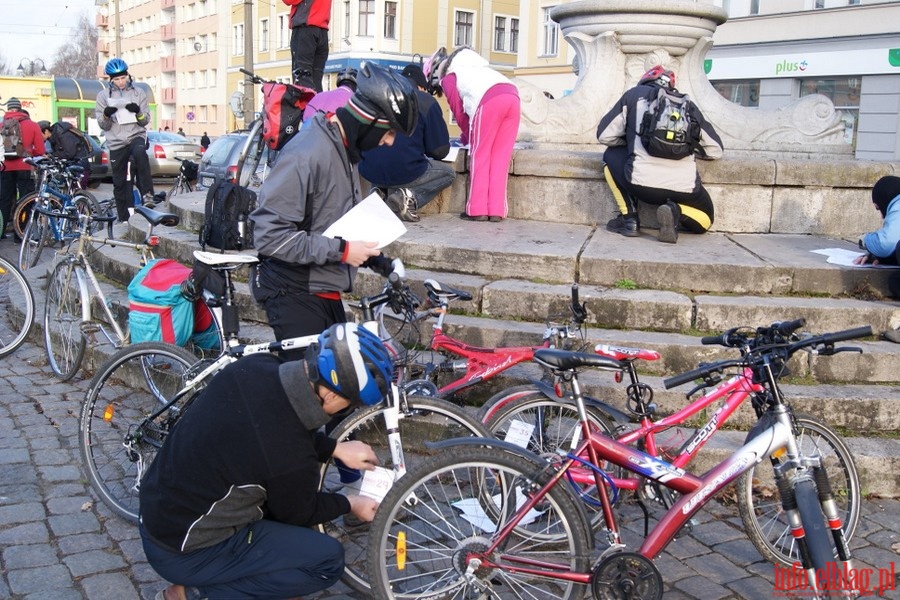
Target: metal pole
(249, 94)
(118, 32)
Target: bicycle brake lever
(831, 350)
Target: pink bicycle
(486, 518)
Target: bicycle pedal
(89, 328)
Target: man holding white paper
(302, 272)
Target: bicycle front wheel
(16, 307)
(34, 238)
(449, 507)
(818, 537)
(427, 419)
(63, 338)
(86, 204)
(759, 502)
(21, 213)
(251, 153)
(117, 441)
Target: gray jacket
(311, 185)
(118, 135)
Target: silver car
(165, 149)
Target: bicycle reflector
(153, 240)
(108, 413)
(401, 550)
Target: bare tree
(78, 58)
(4, 66)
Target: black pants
(136, 152)
(309, 51)
(13, 185)
(697, 214)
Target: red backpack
(283, 105)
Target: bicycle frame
(696, 492)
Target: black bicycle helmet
(386, 97)
(347, 76)
(115, 67)
(660, 76)
(353, 362)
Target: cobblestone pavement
(58, 542)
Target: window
(464, 26)
(745, 93)
(844, 93)
(390, 20)
(500, 34)
(551, 34)
(514, 36)
(754, 7)
(366, 17)
(820, 3)
(346, 32)
(284, 31)
(237, 40)
(506, 34)
(263, 35)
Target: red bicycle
(536, 419)
(486, 518)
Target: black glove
(381, 264)
(109, 111)
(132, 107)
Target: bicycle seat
(625, 353)
(224, 260)
(156, 217)
(565, 360)
(440, 293)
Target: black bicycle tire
(87, 204)
(817, 533)
(102, 451)
(21, 214)
(30, 251)
(16, 305)
(67, 363)
(393, 513)
(496, 402)
(766, 536)
(354, 576)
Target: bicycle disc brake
(626, 576)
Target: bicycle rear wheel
(759, 502)
(427, 420)
(16, 307)
(63, 338)
(21, 214)
(34, 238)
(116, 441)
(86, 204)
(438, 513)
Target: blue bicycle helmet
(115, 67)
(353, 362)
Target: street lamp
(28, 67)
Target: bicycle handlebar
(579, 310)
(753, 355)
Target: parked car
(164, 150)
(219, 162)
(99, 163)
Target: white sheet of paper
(369, 221)
(519, 433)
(123, 115)
(473, 513)
(840, 256)
(451, 156)
(376, 484)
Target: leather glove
(381, 264)
(133, 107)
(109, 111)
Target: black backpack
(69, 142)
(226, 222)
(668, 129)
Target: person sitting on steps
(634, 175)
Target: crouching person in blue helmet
(228, 504)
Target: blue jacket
(883, 243)
(407, 159)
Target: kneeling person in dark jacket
(228, 504)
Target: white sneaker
(409, 206)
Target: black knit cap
(886, 189)
(414, 73)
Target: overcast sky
(35, 29)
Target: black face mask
(360, 137)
